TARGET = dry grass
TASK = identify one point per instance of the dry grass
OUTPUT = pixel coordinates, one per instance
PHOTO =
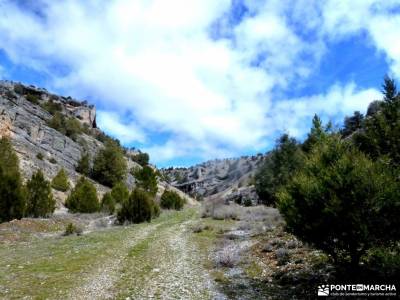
(228, 256)
(218, 210)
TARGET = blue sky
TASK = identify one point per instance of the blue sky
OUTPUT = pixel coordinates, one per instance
(189, 81)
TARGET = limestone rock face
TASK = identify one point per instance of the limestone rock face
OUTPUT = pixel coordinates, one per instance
(39, 146)
(225, 178)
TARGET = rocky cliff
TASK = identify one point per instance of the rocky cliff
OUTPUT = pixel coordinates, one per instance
(25, 112)
(230, 179)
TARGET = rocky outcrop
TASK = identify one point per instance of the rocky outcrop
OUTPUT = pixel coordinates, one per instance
(229, 179)
(40, 146)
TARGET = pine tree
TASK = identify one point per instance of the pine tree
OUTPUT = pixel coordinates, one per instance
(342, 202)
(83, 197)
(277, 169)
(317, 133)
(381, 132)
(389, 89)
(146, 179)
(120, 192)
(352, 124)
(60, 181)
(12, 196)
(138, 208)
(171, 200)
(40, 201)
(109, 166)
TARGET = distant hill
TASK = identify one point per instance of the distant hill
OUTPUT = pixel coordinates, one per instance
(227, 178)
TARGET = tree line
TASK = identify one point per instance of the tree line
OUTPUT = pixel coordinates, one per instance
(35, 198)
(339, 189)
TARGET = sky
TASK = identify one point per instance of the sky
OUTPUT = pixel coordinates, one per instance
(193, 80)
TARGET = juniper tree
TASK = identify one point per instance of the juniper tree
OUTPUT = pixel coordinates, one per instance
(40, 201)
(60, 181)
(12, 196)
(83, 197)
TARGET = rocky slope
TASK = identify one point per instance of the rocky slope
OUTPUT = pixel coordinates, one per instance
(24, 118)
(230, 179)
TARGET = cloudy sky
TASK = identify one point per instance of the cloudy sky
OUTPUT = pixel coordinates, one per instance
(191, 80)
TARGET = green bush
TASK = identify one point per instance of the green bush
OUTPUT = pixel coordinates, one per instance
(53, 160)
(277, 169)
(70, 127)
(109, 166)
(39, 156)
(40, 201)
(60, 181)
(72, 229)
(83, 197)
(247, 202)
(52, 107)
(342, 202)
(146, 179)
(108, 203)
(141, 158)
(171, 200)
(139, 207)
(73, 128)
(32, 98)
(12, 195)
(385, 261)
(120, 192)
(83, 166)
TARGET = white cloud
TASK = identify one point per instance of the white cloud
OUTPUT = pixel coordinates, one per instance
(126, 133)
(374, 17)
(339, 100)
(156, 62)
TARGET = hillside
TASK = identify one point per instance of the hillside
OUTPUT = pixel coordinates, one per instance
(229, 179)
(25, 115)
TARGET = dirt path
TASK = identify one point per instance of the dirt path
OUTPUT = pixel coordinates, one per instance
(100, 282)
(154, 261)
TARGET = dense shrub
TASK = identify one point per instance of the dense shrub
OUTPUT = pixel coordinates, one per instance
(278, 168)
(40, 201)
(12, 196)
(60, 181)
(109, 166)
(108, 203)
(83, 166)
(141, 158)
(39, 156)
(247, 202)
(72, 229)
(171, 200)
(146, 179)
(139, 207)
(120, 192)
(342, 202)
(32, 98)
(52, 107)
(83, 197)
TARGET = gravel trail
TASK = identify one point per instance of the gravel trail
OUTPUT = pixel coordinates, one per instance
(155, 261)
